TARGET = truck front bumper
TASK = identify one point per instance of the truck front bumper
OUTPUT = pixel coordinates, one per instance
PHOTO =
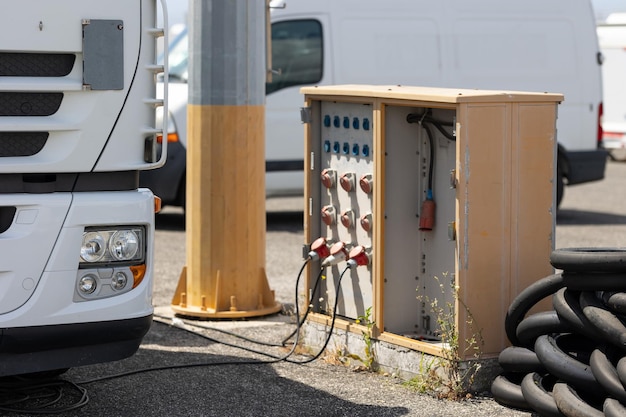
(41, 348)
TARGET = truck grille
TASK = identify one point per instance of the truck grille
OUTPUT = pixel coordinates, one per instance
(12, 64)
(21, 143)
(29, 104)
(35, 64)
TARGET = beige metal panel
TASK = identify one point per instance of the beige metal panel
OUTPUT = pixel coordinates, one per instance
(311, 184)
(432, 94)
(378, 210)
(533, 203)
(506, 172)
(483, 166)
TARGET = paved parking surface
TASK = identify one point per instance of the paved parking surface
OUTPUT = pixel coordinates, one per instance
(592, 215)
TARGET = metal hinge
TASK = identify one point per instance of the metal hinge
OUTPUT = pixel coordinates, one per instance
(305, 114)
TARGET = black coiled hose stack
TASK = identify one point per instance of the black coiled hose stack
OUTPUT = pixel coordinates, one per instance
(570, 361)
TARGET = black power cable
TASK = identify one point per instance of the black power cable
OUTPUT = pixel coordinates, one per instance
(274, 359)
(427, 117)
(167, 320)
(431, 165)
(299, 323)
(425, 120)
(421, 120)
(48, 396)
(309, 307)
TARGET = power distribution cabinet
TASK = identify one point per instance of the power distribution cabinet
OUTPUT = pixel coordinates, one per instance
(438, 194)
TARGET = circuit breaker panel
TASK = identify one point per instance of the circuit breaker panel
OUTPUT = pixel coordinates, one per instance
(437, 196)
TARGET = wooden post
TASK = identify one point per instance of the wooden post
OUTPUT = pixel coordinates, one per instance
(225, 226)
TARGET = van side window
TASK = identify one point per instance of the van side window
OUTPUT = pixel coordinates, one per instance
(296, 54)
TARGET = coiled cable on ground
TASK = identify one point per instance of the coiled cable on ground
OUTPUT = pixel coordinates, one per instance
(570, 361)
(40, 394)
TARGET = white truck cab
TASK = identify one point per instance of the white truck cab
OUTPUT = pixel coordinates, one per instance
(529, 45)
(77, 123)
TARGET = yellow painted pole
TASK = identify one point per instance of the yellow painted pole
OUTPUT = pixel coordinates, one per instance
(225, 227)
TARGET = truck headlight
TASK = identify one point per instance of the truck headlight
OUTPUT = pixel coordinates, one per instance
(124, 245)
(93, 247)
(112, 245)
(87, 284)
(119, 280)
(112, 261)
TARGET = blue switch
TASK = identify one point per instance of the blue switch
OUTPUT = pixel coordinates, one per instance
(366, 124)
(336, 121)
(327, 121)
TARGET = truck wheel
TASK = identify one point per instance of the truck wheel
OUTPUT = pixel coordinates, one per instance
(182, 193)
(43, 375)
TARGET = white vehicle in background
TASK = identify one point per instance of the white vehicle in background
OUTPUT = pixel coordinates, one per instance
(602, 8)
(530, 45)
(612, 39)
(77, 124)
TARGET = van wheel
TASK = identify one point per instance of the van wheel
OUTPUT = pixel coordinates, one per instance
(560, 184)
(618, 155)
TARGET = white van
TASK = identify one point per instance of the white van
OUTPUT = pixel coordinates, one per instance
(612, 38)
(530, 45)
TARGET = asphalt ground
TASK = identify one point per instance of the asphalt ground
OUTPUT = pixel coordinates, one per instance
(212, 375)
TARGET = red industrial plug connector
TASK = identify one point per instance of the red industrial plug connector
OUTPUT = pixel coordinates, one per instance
(427, 215)
(338, 253)
(319, 249)
(359, 255)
